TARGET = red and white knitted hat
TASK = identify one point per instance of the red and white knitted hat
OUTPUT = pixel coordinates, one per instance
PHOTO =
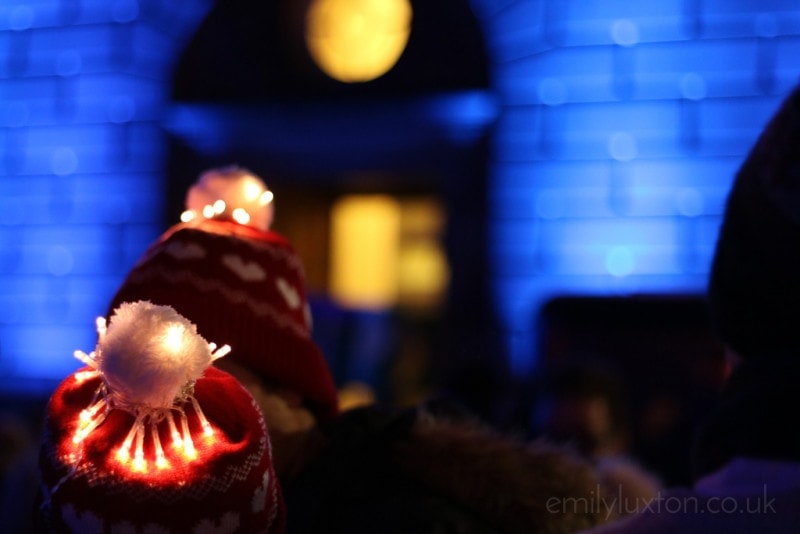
(240, 283)
(149, 437)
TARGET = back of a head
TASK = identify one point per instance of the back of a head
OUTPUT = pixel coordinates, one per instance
(754, 300)
(754, 289)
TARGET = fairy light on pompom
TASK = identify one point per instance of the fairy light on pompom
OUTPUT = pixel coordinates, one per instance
(177, 440)
(241, 216)
(124, 451)
(91, 417)
(188, 443)
(102, 328)
(230, 193)
(251, 191)
(218, 352)
(149, 358)
(161, 459)
(86, 425)
(208, 211)
(83, 376)
(139, 463)
(266, 198)
(173, 337)
(207, 430)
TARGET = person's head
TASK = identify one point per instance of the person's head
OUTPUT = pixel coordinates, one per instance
(754, 290)
(243, 285)
(149, 436)
(754, 301)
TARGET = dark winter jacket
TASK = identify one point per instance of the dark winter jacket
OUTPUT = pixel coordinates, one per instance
(412, 472)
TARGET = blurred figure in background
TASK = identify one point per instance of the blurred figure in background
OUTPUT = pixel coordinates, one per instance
(747, 457)
(587, 407)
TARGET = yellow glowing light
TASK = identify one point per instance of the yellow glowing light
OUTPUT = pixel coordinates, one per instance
(88, 415)
(188, 215)
(386, 252)
(208, 211)
(241, 216)
(252, 191)
(219, 207)
(138, 462)
(88, 420)
(220, 352)
(174, 337)
(123, 454)
(188, 449)
(177, 440)
(161, 461)
(422, 270)
(188, 445)
(126, 445)
(207, 430)
(266, 197)
(132, 453)
(82, 376)
(364, 250)
(357, 40)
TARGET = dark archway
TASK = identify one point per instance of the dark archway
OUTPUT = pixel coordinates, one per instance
(242, 93)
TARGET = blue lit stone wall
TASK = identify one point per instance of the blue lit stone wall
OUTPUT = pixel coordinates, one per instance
(82, 86)
(621, 126)
(623, 123)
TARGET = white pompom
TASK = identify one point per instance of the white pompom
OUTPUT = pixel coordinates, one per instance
(149, 355)
(231, 193)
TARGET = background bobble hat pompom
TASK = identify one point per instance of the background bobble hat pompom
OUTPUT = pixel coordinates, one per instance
(241, 284)
(230, 193)
(115, 458)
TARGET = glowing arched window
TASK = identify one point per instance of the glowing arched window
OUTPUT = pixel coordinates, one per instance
(357, 40)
